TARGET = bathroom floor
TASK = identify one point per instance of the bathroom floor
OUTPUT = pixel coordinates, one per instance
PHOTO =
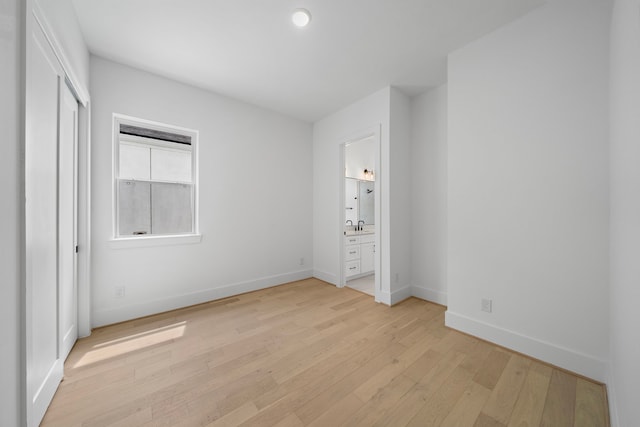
(364, 284)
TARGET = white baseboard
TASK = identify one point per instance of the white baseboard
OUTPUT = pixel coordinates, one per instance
(327, 277)
(134, 311)
(574, 361)
(429, 295)
(383, 298)
(400, 294)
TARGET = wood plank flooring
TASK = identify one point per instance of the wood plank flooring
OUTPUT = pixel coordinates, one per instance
(309, 354)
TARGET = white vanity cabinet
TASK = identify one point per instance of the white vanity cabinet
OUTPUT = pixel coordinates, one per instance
(351, 256)
(367, 251)
(352, 253)
(359, 255)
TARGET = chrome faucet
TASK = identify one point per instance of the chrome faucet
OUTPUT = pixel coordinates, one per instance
(349, 222)
(360, 228)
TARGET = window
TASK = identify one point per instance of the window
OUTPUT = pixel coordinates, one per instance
(155, 179)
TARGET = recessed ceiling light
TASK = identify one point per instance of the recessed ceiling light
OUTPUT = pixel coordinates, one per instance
(301, 17)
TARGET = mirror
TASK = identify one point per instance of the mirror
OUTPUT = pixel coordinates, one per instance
(359, 201)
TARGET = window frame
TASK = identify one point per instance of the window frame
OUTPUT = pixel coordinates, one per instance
(150, 239)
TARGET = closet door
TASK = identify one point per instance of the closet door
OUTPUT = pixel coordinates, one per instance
(67, 221)
(44, 364)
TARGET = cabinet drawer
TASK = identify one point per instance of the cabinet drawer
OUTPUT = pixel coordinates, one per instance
(352, 240)
(352, 267)
(351, 252)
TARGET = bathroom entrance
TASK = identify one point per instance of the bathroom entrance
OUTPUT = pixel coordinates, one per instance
(359, 259)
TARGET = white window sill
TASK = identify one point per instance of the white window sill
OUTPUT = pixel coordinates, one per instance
(151, 241)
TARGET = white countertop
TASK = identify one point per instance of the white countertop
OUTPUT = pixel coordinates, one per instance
(358, 233)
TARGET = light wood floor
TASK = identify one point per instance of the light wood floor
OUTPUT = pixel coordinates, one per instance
(307, 353)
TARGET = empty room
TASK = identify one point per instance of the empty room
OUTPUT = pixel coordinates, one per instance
(320, 213)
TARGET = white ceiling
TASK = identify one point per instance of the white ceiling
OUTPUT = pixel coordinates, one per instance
(250, 50)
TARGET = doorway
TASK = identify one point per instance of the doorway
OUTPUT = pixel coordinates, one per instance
(360, 214)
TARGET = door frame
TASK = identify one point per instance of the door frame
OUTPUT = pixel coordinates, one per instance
(64, 87)
(370, 132)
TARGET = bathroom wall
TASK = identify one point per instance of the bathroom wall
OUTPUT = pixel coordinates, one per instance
(358, 157)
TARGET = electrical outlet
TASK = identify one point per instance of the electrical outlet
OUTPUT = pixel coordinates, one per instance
(397, 277)
(119, 291)
(301, 261)
(486, 305)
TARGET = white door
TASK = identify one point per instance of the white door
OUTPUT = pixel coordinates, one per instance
(43, 356)
(67, 221)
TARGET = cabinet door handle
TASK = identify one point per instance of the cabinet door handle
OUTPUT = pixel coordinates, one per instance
(352, 252)
(352, 268)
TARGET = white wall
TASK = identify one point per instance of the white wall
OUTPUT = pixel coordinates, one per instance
(624, 394)
(429, 195)
(358, 157)
(11, 223)
(61, 17)
(255, 198)
(390, 111)
(328, 134)
(528, 185)
(400, 195)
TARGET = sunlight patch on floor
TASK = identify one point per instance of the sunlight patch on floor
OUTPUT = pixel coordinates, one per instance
(120, 346)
